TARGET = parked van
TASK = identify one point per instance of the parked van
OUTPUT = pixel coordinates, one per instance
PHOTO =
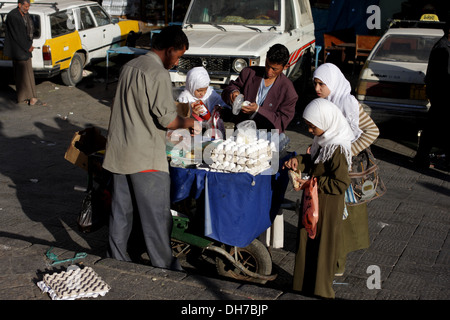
(68, 36)
(226, 36)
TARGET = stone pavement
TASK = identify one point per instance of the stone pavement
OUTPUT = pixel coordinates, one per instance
(39, 204)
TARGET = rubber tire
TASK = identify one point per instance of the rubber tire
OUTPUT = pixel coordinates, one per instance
(131, 39)
(255, 257)
(74, 74)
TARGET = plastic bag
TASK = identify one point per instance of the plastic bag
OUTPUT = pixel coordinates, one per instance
(215, 128)
(246, 131)
(310, 214)
(95, 210)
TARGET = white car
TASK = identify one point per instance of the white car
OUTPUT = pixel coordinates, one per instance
(69, 34)
(392, 79)
(225, 36)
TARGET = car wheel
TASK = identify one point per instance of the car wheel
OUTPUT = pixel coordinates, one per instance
(131, 39)
(74, 74)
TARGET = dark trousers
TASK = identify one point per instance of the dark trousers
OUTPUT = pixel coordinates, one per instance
(435, 132)
(149, 194)
(24, 79)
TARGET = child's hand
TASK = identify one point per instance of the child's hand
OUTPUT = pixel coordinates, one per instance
(250, 108)
(196, 108)
(292, 164)
(196, 129)
(299, 185)
(301, 182)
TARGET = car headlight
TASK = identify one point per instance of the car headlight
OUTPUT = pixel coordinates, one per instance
(239, 64)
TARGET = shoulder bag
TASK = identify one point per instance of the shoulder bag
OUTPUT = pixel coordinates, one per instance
(366, 184)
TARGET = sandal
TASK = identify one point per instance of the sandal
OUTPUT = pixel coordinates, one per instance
(37, 103)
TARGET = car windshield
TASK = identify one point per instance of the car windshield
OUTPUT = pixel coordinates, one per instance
(227, 12)
(405, 48)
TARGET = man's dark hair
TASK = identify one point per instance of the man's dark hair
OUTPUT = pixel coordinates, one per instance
(278, 54)
(171, 36)
(23, 1)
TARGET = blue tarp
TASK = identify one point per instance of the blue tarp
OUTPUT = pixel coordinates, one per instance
(238, 206)
(349, 14)
(342, 15)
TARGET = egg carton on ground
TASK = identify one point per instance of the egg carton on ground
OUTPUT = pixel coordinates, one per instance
(73, 284)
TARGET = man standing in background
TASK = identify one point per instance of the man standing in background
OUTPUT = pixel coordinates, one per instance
(19, 47)
(437, 79)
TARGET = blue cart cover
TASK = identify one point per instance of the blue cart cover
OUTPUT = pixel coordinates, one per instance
(238, 206)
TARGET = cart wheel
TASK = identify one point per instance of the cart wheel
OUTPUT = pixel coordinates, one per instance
(254, 257)
(179, 248)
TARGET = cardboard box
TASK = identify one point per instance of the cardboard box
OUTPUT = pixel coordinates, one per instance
(83, 144)
(74, 155)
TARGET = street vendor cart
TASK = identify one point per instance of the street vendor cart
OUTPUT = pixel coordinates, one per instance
(232, 209)
(235, 209)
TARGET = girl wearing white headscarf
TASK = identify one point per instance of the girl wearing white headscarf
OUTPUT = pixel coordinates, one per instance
(331, 84)
(337, 134)
(339, 93)
(315, 260)
(197, 88)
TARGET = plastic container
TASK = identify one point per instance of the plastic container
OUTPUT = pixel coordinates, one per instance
(204, 112)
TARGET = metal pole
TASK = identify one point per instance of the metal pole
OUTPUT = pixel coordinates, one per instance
(165, 13)
(173, 5)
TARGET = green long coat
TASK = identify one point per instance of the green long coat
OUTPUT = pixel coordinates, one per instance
(315, 260)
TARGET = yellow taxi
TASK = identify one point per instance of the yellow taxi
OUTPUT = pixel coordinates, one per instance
(69, 35)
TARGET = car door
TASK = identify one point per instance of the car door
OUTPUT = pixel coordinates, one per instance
(63, 41)
(293, 40)
(300, 28)
(91, 41)
(109, 31)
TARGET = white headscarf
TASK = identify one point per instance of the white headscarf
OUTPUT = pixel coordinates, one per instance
(340, 94)
(197, 78)
(327, 116)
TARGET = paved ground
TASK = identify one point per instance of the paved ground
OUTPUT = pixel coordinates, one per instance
(409, 226)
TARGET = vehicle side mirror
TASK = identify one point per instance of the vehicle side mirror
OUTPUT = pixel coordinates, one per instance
(114, 20)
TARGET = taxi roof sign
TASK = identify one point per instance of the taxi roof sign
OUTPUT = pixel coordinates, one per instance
(427, 24)
(429, 17)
